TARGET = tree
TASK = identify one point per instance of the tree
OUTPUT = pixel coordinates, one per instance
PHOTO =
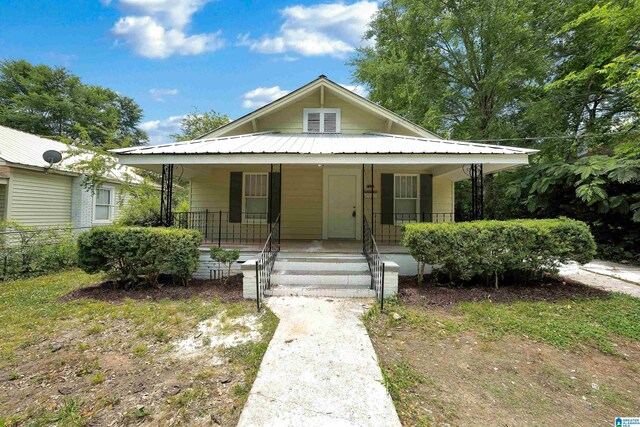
(52, 102)
(197, 124)
(463, 68)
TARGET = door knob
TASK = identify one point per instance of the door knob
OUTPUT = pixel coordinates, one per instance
(353, 214)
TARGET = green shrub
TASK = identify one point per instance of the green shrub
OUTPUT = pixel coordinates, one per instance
(27, 251)
(225, 256)
(131, 253)
(489, 249)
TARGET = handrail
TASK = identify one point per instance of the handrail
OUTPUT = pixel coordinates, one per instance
(221, 227)
(376, 265)
(266, 260)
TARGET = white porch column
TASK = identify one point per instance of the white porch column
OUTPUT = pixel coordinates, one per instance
(249, 279)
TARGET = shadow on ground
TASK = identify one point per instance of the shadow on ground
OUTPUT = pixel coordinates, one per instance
(547, 289)
(230, 291)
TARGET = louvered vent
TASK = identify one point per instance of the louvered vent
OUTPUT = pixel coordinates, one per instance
(313, 123)
(330, 120)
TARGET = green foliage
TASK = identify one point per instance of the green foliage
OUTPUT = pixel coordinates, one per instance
(601, 190)
(127, 254)
(32, 251)
(489, 249)
(53, 102)
(225, 256)
(197, 124)
(143, 207)
(463, 68)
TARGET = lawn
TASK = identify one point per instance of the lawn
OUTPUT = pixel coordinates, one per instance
(545, 355)
(73, 353)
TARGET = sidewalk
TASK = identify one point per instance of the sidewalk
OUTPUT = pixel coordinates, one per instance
(606, 275)
(320, 369)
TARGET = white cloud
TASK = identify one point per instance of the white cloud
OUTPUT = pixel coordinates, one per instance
(160, 131)
(360, 90)
(157, 28)
(159, 94)
(333, 29)
(262, 96)
(173, 13)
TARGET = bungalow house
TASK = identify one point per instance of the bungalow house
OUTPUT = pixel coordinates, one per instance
(333, 174)
(36, 193)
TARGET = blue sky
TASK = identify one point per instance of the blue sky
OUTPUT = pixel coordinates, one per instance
(174, 55)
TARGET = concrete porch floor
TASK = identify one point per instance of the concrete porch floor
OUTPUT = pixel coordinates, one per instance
(315, 246)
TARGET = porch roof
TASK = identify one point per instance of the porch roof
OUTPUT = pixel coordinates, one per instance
(322, 144)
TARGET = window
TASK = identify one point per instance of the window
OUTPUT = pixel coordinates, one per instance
(405, 198)
(103, 204)
(255, 201)
(321, 120)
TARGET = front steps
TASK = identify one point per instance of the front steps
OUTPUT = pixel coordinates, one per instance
(338, 275)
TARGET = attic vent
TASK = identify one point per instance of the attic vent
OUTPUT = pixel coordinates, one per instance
(321, 120)
(330, 122)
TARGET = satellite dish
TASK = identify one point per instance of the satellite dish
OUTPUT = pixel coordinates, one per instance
(52, 157)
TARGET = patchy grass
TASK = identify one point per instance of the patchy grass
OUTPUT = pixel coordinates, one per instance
(91, 361)
(564, 361)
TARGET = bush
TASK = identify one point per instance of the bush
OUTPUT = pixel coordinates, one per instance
(489, 249)
(27, 251)
(225, 256)
(129, 254)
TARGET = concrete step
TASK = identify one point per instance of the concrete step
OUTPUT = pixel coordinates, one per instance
(321, 274)
(293, 266)
(304, 278)
(342, 292)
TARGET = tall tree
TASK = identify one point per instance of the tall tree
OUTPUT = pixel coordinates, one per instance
(52, 102)
(464, 67)
(197, 124)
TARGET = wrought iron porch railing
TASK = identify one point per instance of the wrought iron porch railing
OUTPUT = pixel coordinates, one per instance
(217, 228)
(265, 261)
(387, 227)
(376, 265)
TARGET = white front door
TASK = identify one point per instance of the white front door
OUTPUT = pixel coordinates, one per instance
(341, 209)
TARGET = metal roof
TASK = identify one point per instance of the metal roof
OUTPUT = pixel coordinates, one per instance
(25, 149)
(309, 143)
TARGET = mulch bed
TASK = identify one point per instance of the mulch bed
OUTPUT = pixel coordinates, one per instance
(196, 288)
(547, 289)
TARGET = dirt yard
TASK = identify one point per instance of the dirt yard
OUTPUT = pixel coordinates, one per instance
(548, 354)
(74, 353)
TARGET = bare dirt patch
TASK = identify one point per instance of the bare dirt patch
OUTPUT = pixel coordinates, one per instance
(226, 291)
(543, 354)
(547, 289)
(75, 353)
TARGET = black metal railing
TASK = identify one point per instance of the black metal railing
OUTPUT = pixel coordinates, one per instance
(217, 228)
(387, 227)
(376, 265)
(265, 261)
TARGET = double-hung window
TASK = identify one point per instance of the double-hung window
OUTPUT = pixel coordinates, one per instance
(103, 204)
(255, 200)
(405, 198)
(321, 120)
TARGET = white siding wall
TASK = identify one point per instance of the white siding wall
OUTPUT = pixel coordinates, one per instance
(3, 201)
(39, 199)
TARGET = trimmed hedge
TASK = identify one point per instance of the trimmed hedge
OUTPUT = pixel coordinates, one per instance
(131, 253)
(489, 249)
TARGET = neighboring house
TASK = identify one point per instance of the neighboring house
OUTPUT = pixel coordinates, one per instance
(334, 166)
(35, 193)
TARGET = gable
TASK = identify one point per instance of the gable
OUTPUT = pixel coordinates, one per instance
(358, 115)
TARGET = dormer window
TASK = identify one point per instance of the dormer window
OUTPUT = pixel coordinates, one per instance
(321, 120)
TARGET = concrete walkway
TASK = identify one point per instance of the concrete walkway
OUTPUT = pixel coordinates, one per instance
(605, 275)
(320, 369)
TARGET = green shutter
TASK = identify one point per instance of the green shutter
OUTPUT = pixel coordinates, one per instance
(386, 198)
(274, 199)
(235, 197)
(426, 197)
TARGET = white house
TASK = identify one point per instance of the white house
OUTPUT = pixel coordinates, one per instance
(35, 193)
(332, 170)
